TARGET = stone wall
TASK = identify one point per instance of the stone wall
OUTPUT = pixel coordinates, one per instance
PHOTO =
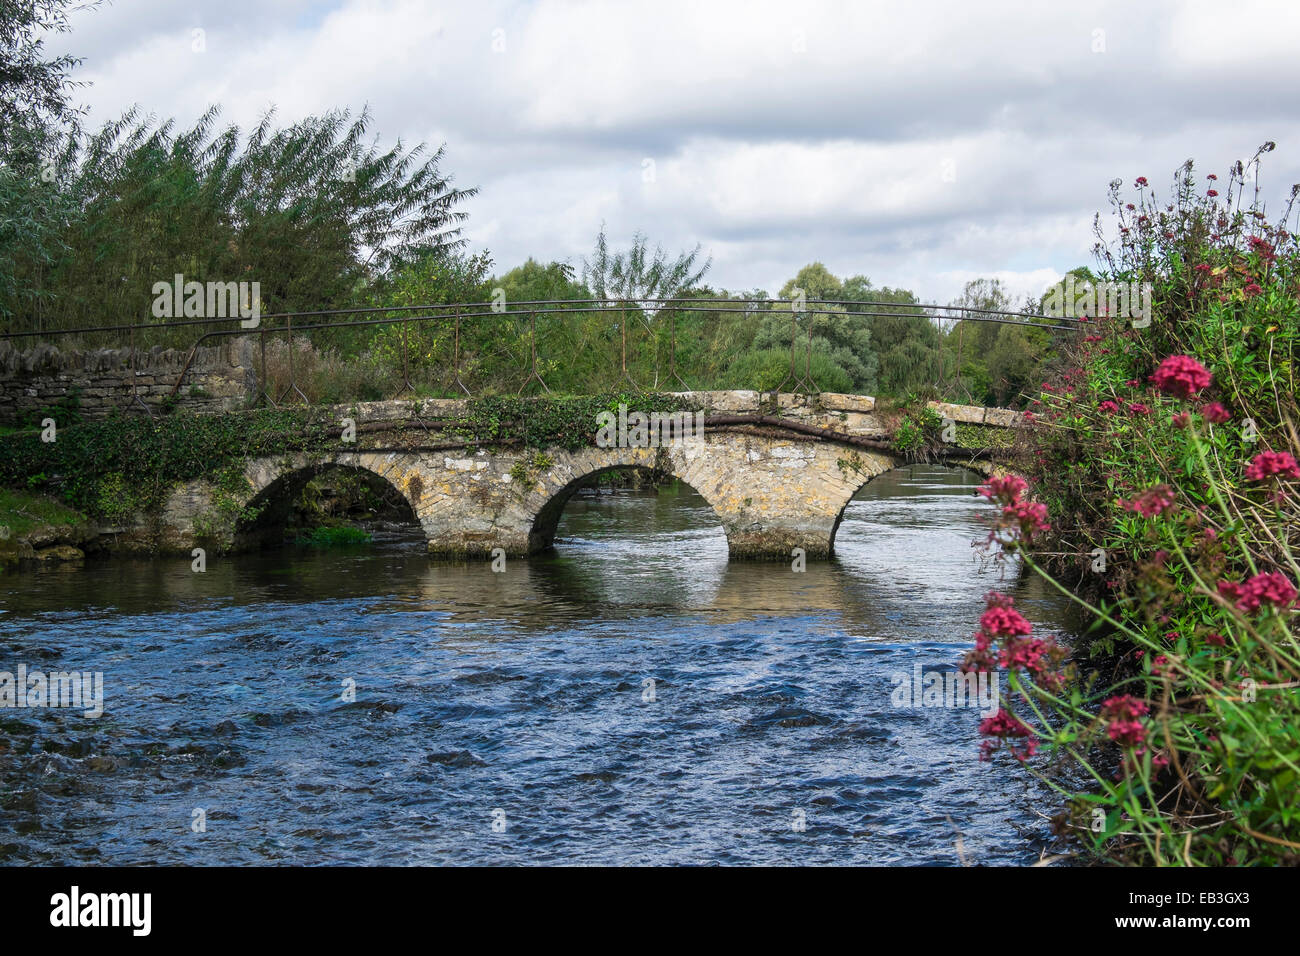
(221, 378)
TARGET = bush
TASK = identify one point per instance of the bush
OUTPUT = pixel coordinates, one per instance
(767, 369)
(1165, 457)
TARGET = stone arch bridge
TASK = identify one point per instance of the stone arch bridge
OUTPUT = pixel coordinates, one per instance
(778, 471)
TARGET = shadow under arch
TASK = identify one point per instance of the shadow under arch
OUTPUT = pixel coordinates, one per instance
(272, 504)
(958, 466)
(541, 536)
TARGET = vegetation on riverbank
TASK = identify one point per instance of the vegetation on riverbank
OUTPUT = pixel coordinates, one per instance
(21, 512)
(1165, 461)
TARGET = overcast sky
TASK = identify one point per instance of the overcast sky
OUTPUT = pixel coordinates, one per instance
(919, 143)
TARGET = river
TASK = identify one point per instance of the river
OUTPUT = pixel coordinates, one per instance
(632, 698)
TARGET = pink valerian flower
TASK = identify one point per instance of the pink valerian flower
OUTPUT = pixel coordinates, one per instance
(1108, 407)
(1267, 464)
(1126, 733)
(1002, 620)
(1263, 248)
(1251, 290)
(1263, 589)
(1122, 714)
(1040, 658)
(1140, 181)
(1006, 489)
(983, 659)
(1215, 413)
(1150, 503)
(1123, 707)
(1007, 727)
(1211, 193)
(1132, 382)
(1137, 408)
(1215, 639)
(1180, 419)
(1028, 517)
(1019, 517)
(1181, 376)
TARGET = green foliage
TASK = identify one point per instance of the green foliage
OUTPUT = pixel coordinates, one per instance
(116, 500)
(637, 273)
(101, 467)
(765, 369)
(551, 422)
(311, 212)
(230, 505)
(21, 512)
(918, 430)
(990, 363)
(36, 86)
(340, 536)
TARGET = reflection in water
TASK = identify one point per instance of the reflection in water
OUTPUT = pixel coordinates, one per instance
(524, 691)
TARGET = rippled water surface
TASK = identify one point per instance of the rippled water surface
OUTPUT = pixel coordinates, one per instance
(523, 692)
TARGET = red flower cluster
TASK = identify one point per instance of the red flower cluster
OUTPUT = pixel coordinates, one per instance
(1122, 713)
(1004, 726)
(1001, 619)
(1269, 463)
(1181, 376)
(1001, 622)
(1025, 518)
(1137, 408)
(1036, 656)
(1109, 407)
(1215, 413)
(1263, 248)
(1030, 517)
(1149, 503)
(1273, 589)
(1005, 488)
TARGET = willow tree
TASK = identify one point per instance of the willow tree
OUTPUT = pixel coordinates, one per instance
(632, 279)
(313, 212)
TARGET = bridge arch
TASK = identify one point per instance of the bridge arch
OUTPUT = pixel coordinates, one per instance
(979, 468)
(565, 480)
(274, 485)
